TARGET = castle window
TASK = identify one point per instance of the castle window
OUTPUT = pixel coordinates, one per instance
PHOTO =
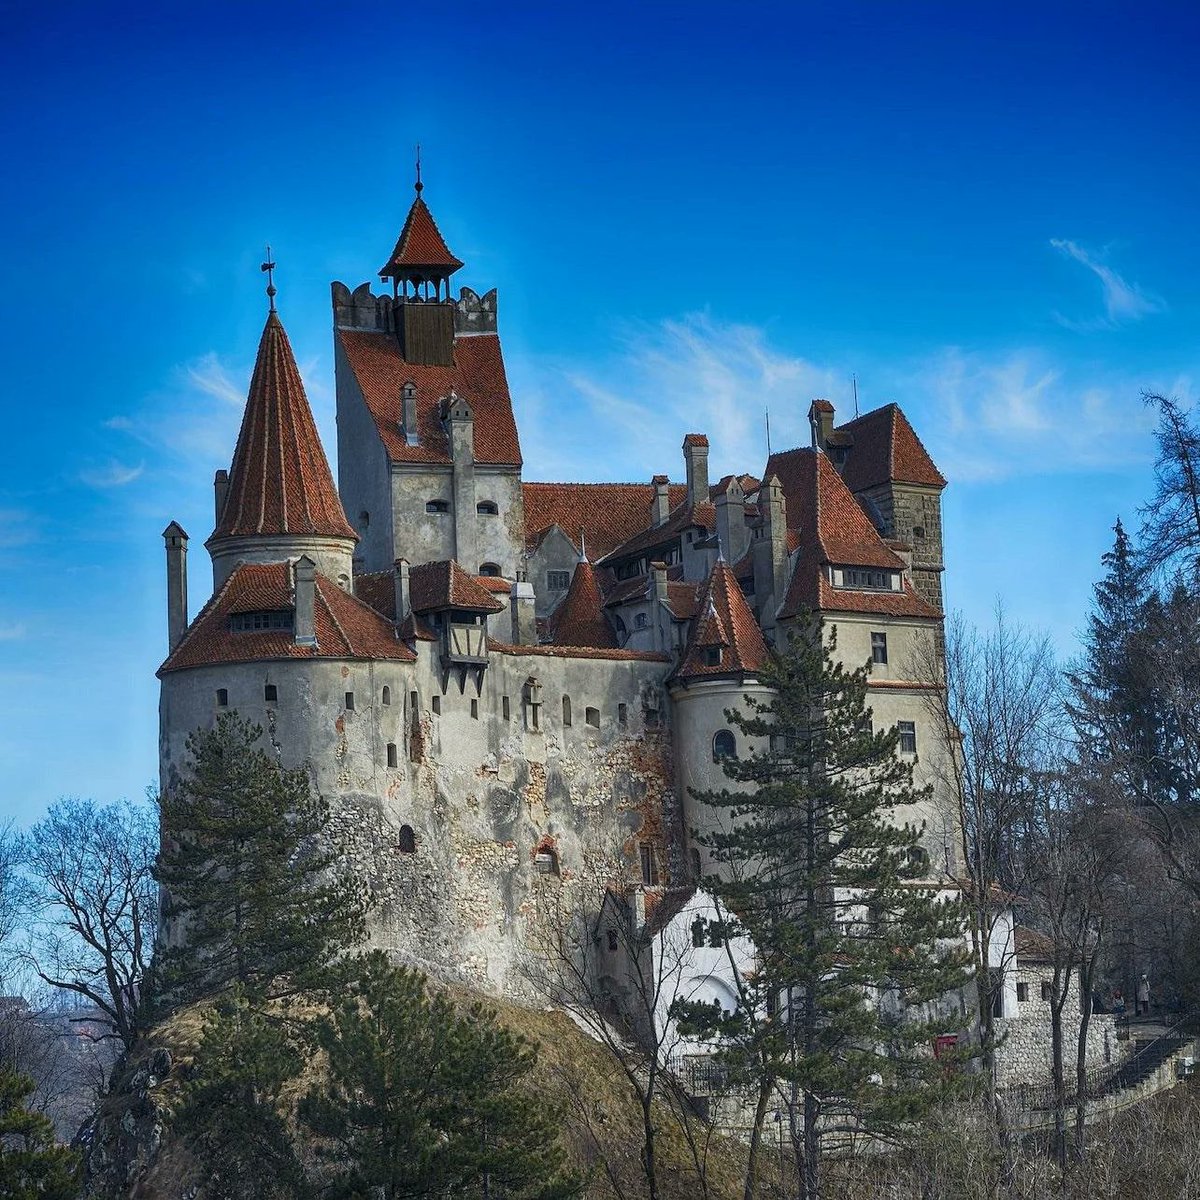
(391, 754)
(724, 745)
(406, 843)
(558, 581)
(270, 693)
(545, 861)
(908, 736)
(1022, 992)
(505, 708)
(622, 715)
(490, 570)
(222, 697)
(879, 647)
(869, 579)
(698, 934)
(256, 622)
(487, 508)
(918, 531)
(436, 702)
(412, 704)
(475, 710)
(649, 865)
(918, 860)
(1047, 990)
(592, 717)
(386, 696)
(349, 701)
(437, 506)
(364, 518)
(566, 711)
(712, 656)
(612, 941)
(641, 621)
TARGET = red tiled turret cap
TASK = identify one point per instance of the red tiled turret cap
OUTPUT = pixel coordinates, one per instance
(579, 620)
(420, 249)
(723, 623)
(280, 481)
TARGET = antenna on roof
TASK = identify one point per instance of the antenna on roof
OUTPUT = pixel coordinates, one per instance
(269, 267)
(419, 185)
(854, 384)
(768, 413)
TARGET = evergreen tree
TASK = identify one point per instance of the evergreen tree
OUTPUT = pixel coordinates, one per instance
(252, 893)
(32, 1167)
(230, 1111)
(422, 1100)
(854, 959)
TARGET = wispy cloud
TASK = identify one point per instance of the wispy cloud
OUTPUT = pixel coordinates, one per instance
(112, 474)
(983, 416)
(1123, 301)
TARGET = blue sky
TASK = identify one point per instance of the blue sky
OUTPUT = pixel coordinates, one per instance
(692, 212)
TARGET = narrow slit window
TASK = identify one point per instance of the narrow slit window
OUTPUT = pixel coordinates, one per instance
(505, 708)
(222, 697)
(386, 697)
(475, 710)
(566, 711)
(349, 701)
(622, 715)
(270, 693)
(436, 703)
(612, 940)
(391, 755)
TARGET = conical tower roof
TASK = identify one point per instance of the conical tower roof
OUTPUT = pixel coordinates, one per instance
(420, 249)
(280, 482)
(579, 620)
(725, 638)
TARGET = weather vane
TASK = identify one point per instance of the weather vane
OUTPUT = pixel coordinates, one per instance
(269, 267)
(419, 185)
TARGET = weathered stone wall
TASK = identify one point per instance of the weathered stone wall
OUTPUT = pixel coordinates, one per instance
(500, 539)
(904, 510)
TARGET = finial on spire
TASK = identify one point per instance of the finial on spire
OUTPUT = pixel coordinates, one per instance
(419, 185)
(582, 544)
(269, 267)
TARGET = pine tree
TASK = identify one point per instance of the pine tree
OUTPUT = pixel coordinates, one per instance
(230, 1114)
(252, 892)
(422, 1100)
(854, 959)
(32, 1167)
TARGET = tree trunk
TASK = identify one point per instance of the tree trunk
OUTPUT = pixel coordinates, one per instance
(1057, 1073)
(1087, 972)
(765, 1085)
(649, 1163)
(812, 1149)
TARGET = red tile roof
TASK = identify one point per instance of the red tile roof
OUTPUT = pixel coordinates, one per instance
(345, 626)
(420, 245)
(579, 620)
(1031, 945)
(280, 481)
(683, 516)
(444, 584)
(821, 406)
(495, 584)
(608, 513)
(695, 439)
(886, 447)
(477, 376)
(724, 621)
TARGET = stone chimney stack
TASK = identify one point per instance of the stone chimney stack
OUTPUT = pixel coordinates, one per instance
(461, 425)
(770, 552)
(220, 490)
(662, 500)
(408, 413)
(176, 541)
(524, 616)
(820, 421)
(695, 457)
(403, 595)
(661, 592)
(732, 534)
(304, 629)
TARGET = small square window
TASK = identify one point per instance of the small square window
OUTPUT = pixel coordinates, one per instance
(879, 647)
(918, 531)
(908, 736)
(222, 697)
(349, 701)
(712, 656)
(1022, 992)
(270, 693)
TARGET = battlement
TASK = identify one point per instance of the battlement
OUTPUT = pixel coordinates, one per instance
(362, 309)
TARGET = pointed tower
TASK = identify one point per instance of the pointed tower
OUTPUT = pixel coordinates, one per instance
(279, 501)
(579, 620)
(422, 261)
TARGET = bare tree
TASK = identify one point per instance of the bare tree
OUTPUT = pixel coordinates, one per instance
(92, 904)
(1171, 521)
(10, 880)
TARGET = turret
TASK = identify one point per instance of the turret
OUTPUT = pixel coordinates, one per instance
(176, 541)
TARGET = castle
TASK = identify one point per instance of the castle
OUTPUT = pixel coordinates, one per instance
(506, 689)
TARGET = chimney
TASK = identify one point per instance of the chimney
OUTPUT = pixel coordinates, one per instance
(660, 617)
(820, 421)
(403, 596)
(305, 625)
(695, 457)
(770, 552)
(661, 594)
(524, 616)
(461, 428)
(220, 490)
(732, 534)
(176, 545)
(408, 413)
(662, 500)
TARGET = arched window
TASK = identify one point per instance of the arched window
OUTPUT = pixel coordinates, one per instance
(491, 570)
(387, 694)
(724, 745)
(566, 710)
(437, 506)
(407, 842)
(487, 508)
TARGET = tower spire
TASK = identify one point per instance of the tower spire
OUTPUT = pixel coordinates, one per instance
(269, 267)
(419, 186)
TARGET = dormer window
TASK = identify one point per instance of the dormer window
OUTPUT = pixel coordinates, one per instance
(264, 619)
(712, 656)
(437, 506)
(870, 579)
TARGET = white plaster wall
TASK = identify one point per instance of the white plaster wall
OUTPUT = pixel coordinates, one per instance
(420, 536)
(500, 539)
